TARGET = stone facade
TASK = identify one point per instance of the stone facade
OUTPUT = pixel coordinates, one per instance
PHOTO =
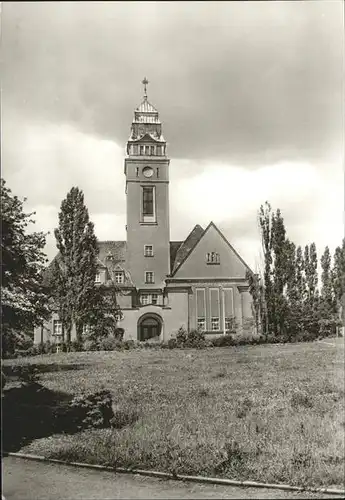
(199, 282)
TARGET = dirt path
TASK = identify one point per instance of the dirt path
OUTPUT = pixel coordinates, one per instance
(29, 480)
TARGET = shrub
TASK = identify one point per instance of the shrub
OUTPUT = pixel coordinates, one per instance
(128, 344)
(76, 346)
(123, 417)
(196, 339)
(301, 399)
(119, 333)
(92, 411)
(90, 345)
(223, 341)
(109, 344)
(172, 343)
(182, 339)
(181, 336)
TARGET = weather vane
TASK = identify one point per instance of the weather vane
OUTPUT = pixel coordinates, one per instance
(145, 82)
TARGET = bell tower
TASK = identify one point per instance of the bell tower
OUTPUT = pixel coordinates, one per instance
(147, 190)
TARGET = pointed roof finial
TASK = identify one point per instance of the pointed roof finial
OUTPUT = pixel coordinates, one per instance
(145, 82)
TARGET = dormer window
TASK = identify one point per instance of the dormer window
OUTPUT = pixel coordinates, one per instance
(97, 278)
(119, 277)
(212, 258)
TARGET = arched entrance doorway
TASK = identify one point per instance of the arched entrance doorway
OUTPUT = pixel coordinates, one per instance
(149, 326)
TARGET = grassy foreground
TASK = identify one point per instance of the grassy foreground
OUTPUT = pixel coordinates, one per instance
(268, 413)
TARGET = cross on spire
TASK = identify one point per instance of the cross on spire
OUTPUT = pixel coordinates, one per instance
(145, 82)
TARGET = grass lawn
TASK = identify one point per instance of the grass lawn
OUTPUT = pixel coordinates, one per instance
(268, 413)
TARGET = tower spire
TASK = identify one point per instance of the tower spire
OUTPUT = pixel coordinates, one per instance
(145, 82)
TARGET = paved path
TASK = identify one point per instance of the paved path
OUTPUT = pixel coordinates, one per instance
(29, 480)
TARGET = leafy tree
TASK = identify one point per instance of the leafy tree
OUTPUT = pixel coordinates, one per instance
(24, 303)
(77, 263)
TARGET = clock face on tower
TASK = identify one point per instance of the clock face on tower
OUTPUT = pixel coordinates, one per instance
(147, 171)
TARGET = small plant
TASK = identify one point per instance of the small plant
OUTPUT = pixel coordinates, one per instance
(301, 399)
(203, 392)
(244, 407)
(123, 418)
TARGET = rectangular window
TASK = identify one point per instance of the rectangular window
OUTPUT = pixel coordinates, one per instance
(214, 324)
(229, 324)
(57, 327)
(154, 299)
(152, 150)
(149, 277)
(119, 277)
(148, 250)
(145, 299)
(159, 150)
(147, 150)
(212, 258)
(148, 204)
(97, 278)
(141, 150)
(200, 306)
(135, 149)
(201, 324)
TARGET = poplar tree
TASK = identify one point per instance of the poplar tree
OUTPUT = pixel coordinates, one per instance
(77, 263)
(265, 225)
(338, 280)
(311, 302)
(327, 292)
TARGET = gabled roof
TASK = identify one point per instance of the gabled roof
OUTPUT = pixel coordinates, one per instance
(191, 242)
(187, 246)
(146, 107)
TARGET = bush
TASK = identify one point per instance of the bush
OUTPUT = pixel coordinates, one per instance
(76, 346)
(172, 343)
(90, 345)
(223, 341)
(181, 336)
(119, 333)
(128, 344)
(109, 344)
(123, 417)
(92, 411)
(193, 339)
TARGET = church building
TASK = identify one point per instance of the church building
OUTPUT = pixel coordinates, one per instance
(196, 283)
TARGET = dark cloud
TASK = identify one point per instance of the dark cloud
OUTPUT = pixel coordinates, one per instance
(249, 82)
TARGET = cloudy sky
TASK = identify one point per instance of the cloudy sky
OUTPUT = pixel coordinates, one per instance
(250, 95)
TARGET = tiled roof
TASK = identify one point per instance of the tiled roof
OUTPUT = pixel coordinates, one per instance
(186, 247)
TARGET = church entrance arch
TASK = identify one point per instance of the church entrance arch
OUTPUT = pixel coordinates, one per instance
(149, 326)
